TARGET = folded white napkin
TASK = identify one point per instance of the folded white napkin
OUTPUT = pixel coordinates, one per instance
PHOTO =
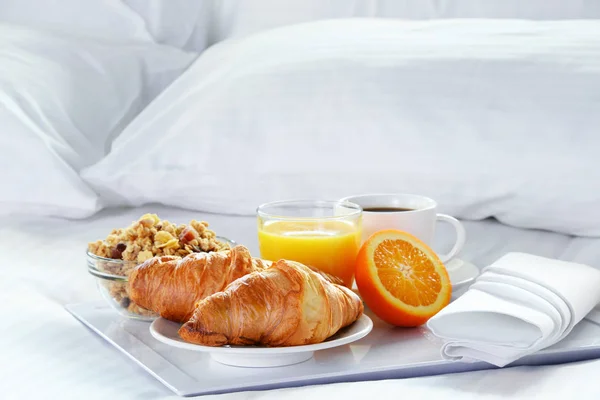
(520, 304)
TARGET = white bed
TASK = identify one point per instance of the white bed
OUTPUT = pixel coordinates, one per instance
(219, 105)
(49, 354)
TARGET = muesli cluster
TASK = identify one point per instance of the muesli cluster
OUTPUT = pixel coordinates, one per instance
(146, 238)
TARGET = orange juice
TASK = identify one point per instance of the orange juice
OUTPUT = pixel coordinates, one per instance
(330, 246)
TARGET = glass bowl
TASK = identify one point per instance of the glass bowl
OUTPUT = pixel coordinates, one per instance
(112, 282)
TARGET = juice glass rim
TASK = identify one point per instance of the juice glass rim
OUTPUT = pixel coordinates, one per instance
(357, 209)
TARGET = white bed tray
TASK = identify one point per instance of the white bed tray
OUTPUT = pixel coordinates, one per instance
(386, 353)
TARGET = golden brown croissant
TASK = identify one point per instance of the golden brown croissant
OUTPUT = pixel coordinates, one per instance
(285, 305)
(171, 286)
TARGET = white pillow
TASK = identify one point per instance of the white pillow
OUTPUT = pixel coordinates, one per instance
(238, 18)
(99, 18)
(491, 118)
(195, 25)
(34, 179)
(62, 101)
(181, 23)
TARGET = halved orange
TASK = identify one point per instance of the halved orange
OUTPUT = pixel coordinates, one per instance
(401, 279)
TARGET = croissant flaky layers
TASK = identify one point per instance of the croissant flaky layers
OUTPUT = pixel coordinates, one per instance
(287, 304)
(171, 286)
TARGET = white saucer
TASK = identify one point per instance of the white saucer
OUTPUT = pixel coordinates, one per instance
(254, 356)
(462, 274)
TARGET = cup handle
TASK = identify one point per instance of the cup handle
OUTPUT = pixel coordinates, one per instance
(461, 235)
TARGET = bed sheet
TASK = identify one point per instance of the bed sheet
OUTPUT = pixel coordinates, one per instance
(46, 353)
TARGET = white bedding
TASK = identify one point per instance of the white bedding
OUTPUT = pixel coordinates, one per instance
(47, 354)
(193, 25)
(63, 98)
(488, 117)
(238, 18)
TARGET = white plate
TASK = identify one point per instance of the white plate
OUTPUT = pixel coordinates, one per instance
(255, 356)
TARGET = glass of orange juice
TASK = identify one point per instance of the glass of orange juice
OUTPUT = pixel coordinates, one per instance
(322, 234)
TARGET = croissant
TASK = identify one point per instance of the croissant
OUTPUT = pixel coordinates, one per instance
(171, 286)
(287, 304)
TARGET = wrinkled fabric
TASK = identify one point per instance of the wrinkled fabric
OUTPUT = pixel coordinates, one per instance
(490, 118)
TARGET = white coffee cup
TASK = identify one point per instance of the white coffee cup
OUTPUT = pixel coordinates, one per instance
(420, 219)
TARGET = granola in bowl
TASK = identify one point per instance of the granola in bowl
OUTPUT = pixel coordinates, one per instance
(112, 259)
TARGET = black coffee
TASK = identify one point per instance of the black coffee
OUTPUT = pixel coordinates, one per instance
(387, 209)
